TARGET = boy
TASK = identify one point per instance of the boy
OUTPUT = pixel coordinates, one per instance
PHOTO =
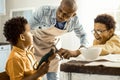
(21, 62)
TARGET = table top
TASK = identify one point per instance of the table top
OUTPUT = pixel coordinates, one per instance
(102, 66)
(4, 43)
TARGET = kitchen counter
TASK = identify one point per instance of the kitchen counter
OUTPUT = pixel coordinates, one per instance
(4, 43)
(100, 69)
(94, 67)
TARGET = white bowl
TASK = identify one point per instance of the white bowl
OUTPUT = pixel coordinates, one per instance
(90, 53)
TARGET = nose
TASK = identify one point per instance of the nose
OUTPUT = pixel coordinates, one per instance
(61, 15)
(96, 35)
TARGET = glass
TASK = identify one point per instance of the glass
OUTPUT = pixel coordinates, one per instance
(98, 31)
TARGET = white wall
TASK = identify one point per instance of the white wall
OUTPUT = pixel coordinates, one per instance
(87, 10)
(0, 29)
(20, 4)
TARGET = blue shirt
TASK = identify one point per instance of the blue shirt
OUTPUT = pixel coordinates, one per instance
(60, 25)
(46, 16)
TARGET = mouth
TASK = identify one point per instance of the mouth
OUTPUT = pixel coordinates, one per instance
(60, 19)
(98, 38)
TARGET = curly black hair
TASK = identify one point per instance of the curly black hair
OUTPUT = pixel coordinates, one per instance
(13, 28)
(106, 19)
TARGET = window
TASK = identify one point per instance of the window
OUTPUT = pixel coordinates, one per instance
(27, 12)
(2, 7)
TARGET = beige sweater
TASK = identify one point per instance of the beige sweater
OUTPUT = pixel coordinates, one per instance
(111, 46)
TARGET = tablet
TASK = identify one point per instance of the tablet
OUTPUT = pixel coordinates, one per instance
(45, 57)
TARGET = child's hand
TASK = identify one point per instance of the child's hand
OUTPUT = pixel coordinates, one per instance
(43, 69)
(52, 57)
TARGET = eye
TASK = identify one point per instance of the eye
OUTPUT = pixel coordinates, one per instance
(96, 31)
(60, 10)
(99, 32)
(66, 15)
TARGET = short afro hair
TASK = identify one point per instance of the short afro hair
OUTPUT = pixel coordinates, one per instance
(13, 28)
(106, 19)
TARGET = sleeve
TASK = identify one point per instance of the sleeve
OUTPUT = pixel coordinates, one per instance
(15, 69)
(36, 18)
(111, 46)
(80, 32)
(41, 17)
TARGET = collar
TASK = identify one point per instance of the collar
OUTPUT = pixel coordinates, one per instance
(19, 51)
(53, 16)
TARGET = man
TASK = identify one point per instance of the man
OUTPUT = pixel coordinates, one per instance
(105, 37)
(63, 18)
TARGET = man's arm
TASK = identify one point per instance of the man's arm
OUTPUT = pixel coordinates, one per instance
(64, 53)
(80, 32)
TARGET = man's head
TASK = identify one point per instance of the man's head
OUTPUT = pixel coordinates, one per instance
(66, 10)
(104, 27)
(17, 29)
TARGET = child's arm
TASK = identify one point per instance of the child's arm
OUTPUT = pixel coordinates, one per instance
(43, 69)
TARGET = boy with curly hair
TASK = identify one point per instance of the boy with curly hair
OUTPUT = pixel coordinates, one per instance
(21, 60)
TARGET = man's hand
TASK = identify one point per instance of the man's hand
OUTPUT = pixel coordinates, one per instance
(67, 53)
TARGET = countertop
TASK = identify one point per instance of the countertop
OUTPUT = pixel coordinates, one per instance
(102, 66)
(80, 67)
(4, 43)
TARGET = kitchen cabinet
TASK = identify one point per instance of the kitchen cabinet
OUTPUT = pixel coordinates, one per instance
(5, 49)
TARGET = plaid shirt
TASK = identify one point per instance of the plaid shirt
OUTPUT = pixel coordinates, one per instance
(46, 16)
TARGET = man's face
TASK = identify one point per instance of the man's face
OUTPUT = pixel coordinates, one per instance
(64, 13)
(101, 33)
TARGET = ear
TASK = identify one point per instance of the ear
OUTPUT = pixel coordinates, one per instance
(22, 37)
(111, 31)
(74, 14)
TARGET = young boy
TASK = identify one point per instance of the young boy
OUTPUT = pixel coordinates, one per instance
(21, 62)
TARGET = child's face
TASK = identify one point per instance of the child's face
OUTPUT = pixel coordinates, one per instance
(28, 36)
(103, 34)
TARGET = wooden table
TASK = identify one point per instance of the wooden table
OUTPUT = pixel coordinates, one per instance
(86, 67)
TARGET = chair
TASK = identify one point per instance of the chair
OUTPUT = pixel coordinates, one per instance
(4, 76)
